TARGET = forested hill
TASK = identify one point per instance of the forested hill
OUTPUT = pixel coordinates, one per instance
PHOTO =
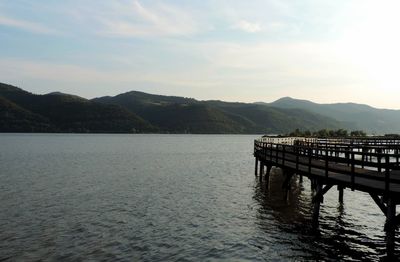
(21, 111)
(187, 115)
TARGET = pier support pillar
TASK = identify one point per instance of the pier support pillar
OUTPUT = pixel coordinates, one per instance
(313, 185)
(390, 226)
(340, 189)
(269, 167)
(287, 182)
(256, 169)
(317, 204)
(261, 170)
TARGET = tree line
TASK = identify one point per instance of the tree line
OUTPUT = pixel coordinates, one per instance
(325, 133)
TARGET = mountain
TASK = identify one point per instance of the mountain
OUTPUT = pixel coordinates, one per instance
(179, 115)
(64, 113)
(175, 114)
(21, 111)
(277, 120)
(355, 116)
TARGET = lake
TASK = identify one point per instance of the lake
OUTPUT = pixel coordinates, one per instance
(165, 198)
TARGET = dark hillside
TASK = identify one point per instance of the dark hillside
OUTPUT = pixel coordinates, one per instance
(216, 116)
(70, 113)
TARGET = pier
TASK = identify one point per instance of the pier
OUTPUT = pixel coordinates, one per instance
(368, 164)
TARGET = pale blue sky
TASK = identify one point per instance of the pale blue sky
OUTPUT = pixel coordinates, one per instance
(259, 50)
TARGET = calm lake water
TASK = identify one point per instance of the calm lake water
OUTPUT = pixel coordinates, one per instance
(163, 198)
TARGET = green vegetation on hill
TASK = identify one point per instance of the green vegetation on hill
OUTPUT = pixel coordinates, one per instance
(13, 118)
(191, 118)
(181, 115)
(21, 111)
(266, 119)
(64, 113)
(326, 133)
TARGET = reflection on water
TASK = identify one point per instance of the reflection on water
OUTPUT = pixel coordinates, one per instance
(287, 208)
(344, 233)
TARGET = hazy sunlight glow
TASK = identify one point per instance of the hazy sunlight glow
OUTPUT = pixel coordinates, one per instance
(372, 42)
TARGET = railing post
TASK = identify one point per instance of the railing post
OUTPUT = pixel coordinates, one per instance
(309, 159)
(352, 170)
(270, 151)
(297, 159)
(378, 155)
(362, 157)
(336, 154)
(387, 174)
(326, 161)
(283, 155)
(265, 150)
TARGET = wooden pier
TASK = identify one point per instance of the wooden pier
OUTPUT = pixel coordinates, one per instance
(365, 164)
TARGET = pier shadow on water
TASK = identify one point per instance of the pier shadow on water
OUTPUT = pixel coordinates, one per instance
(342, 233)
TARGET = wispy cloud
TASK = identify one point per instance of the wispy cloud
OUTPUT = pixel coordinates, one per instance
(25, 25)
(247, 26)
(143, 21)
(72, 73)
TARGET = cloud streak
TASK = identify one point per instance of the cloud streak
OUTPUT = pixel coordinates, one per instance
(25, 25)
(142, 21)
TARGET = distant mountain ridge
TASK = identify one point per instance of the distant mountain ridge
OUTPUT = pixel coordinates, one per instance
(356, 116)
(187, 115)
(134, 111)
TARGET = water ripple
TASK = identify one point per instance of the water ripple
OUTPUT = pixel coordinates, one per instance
(167, 198)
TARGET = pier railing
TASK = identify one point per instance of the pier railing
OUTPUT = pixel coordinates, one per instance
(372, 159)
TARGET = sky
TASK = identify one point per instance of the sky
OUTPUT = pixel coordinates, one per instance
(233, 50)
